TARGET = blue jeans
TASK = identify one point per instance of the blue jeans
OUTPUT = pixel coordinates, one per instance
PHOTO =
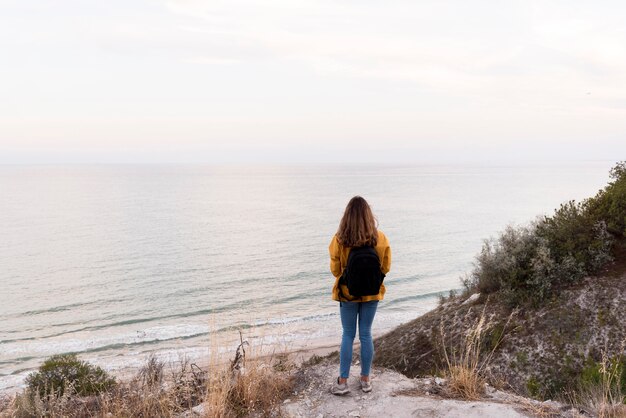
(350, 312)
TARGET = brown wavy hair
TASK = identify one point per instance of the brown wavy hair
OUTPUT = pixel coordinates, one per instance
(358, 226)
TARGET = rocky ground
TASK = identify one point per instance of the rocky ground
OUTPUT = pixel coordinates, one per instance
(395, 395)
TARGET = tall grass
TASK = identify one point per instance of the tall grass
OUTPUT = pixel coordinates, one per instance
(468, 360)
(604, 395)
(226, 389)
(246, 386)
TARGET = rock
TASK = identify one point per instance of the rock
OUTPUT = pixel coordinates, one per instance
(471, 299)
(355, 414)
(552, 404)
(199, 410)
(196, 411)
(439, 381)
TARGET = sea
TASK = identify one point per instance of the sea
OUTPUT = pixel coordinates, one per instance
(119, 262)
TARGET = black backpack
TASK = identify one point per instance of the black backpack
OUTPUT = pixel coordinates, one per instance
(362, 274)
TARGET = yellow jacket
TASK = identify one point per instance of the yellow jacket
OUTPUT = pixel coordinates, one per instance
(339, 259)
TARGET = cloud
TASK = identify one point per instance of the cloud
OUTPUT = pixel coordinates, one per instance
(296, 73)
(444, 45)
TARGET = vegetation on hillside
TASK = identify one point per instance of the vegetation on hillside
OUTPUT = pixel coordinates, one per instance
(547, 352)
(527, 264)
(227, 389)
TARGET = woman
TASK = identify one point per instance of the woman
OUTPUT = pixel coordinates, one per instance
(358, 228)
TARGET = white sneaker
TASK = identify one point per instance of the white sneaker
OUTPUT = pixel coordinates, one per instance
(366, 386)
(340, 388)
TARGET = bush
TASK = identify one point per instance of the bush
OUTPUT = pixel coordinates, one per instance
(609, 205)
(505, 263)
(526, 264)
(64, 371)
(575, 239)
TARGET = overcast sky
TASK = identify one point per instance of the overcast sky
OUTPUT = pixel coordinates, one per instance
(311, 81)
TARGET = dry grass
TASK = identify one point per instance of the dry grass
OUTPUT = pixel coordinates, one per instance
(258, 390)
(466, 363)
(540, 410)
(228, 389)
(150, 393)
(604, 398)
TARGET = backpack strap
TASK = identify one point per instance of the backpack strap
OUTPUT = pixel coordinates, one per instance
(342, 280)
(341, 294)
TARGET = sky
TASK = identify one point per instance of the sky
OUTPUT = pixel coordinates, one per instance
(320, 81)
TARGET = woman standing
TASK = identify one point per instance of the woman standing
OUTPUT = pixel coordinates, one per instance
(357, 229)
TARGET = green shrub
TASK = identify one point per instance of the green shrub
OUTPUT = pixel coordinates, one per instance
(64, 371)
(577, 241)
(506, 263)
(526, 264)
(533, 388)
(609, 205)
(613, 370)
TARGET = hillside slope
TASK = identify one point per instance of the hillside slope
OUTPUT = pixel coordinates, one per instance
(539, 351)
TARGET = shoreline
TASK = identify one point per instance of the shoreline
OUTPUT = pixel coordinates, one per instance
(304, 339)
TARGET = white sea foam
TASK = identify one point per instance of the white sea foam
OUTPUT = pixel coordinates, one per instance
(88, 341)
